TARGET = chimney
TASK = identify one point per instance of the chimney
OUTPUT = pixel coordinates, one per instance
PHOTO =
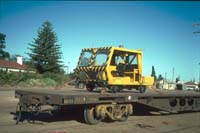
(19, 60)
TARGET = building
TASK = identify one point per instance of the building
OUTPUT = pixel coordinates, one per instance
(164, 84)
(191, 86)
(11, 66)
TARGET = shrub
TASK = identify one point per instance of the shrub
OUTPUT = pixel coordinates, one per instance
(32, 79)
(13, 78)
(49, 82)
(59, 78)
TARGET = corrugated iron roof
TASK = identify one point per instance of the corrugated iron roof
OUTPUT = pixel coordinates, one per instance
(11, 64)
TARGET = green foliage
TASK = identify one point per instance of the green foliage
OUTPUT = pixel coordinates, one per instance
(59, 78)
(153, 73)
(160, 77)
(32, 79)
(13, 78)
(41, 82)
(45, 52)
(73, 75)
(3, 54)
(49, 82)
(177, 79)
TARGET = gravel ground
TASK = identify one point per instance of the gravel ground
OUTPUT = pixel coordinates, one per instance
(72, 122)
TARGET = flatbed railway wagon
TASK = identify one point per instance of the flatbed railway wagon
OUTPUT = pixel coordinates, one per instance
(98, 106)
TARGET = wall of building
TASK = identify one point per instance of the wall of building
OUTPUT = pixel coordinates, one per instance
(11, 70)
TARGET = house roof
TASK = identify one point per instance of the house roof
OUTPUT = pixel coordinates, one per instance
(166, 81)
(190, 83)
(11, 64)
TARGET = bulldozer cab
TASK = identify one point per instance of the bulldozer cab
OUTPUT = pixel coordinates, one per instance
(125, 66)
(115, 62)
(124, 63)
(93, 57)
(85, 58)
(111, 66)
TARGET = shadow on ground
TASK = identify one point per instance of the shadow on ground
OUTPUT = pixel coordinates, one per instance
(66, 114)
(76, 113)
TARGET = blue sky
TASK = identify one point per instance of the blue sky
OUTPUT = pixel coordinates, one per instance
(162, 29)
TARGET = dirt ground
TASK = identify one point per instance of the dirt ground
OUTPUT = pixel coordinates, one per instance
(71, 122)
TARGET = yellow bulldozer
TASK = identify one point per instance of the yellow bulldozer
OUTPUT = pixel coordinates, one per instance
(115, 68)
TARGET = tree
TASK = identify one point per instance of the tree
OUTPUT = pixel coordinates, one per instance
(177, 79)
(160, 77)
(45, 52)
(153, 73)
(3, 54)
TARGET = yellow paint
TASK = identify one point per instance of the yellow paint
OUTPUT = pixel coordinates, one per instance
(110, 73)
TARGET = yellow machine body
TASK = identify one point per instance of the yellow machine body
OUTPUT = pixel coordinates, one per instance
(112, 67)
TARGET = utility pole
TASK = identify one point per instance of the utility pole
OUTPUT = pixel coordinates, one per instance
(197, 32)
(199, 72)
(173, 74)
(165, 76)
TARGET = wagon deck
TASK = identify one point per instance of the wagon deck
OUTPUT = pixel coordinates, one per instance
(109, 104)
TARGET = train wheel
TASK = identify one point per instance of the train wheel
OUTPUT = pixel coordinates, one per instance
(90, 87)
(124, 118)
(90, 116)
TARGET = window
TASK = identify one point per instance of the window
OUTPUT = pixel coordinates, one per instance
(85, 58)
(132, 60)
(101, 57)
(117, 58)
(124, 57)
